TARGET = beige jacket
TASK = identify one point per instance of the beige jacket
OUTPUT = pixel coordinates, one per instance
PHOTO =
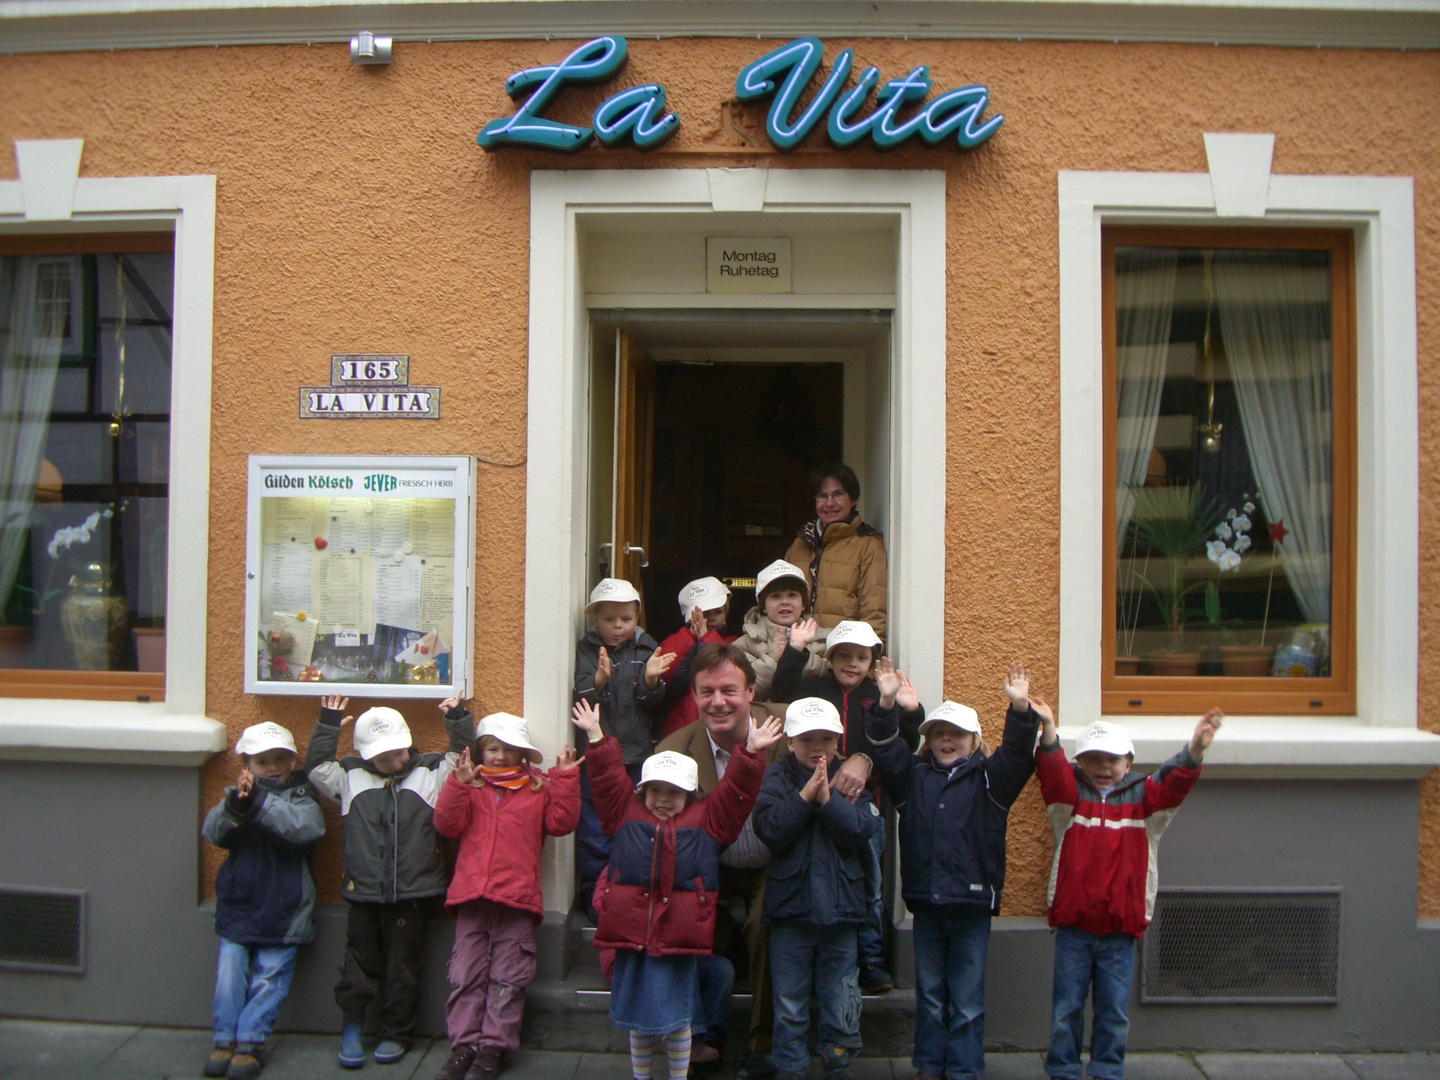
(848, 574)
(756, 640)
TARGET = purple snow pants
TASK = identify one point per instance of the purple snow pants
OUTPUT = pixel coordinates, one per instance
(493, 962)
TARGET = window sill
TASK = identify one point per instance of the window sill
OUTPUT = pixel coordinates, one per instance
(114, 732)
(1286, 747)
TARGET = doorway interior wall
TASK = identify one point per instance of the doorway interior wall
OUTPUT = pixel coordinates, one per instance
(621, 243)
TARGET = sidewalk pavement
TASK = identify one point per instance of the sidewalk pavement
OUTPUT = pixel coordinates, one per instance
(40, 1050)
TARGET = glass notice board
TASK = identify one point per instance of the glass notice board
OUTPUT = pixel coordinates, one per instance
(359, 573)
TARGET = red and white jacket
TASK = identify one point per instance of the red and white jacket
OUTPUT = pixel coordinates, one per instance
(1104, 875)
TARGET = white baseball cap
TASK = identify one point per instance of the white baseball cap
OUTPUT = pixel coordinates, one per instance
(670, 768)
(851, 632)
(812, 714)
(258, 738)
(952, 712)
(781, 570)
(512, 731)
(612, 591)
(1106, 739)
(706, 593)
(380, 730)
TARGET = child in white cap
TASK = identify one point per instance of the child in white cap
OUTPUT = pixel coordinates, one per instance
(782, 596)
(501, 808)
(815, 897)
(852, 651)
(658, 897)
(954, 801)
(264, 895)
(391, 861)
(1104, 877)
(704, 606)
(619, 671)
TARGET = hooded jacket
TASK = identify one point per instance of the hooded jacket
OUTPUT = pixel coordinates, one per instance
(953, 821)
(390, 848)
(1105, 875)
(659, 892)
(848, 571)
(265, 891)
(815, 874)
(757, 641)
(791, 684)
(628, 708)
(501, 833)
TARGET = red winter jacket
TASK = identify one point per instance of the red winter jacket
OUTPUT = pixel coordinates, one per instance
(680, 707)
(1104, 875)
(501, 833)
(659, 890)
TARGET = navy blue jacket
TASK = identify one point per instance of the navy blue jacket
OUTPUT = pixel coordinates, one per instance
(791, 683)
(265, 894)
(952, 821)
(815, 874)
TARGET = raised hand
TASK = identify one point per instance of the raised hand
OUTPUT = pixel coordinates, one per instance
(602, 670)
(568, 760)
(908, 697)
(587, 718)
(658, 664)
(1205, 733)
(779, 638)
(1017, 685)
(697, 622)
(1048, 734)
(335, 702)
(245, 784)
(887, 680)
(763, 736)
(851, 776)
(465, 768)
(817, 789)
(803, 632)
(448, 704)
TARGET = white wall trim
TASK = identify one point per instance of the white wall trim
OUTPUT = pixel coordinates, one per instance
(186, 204)
(556, 565)
(1380, 210)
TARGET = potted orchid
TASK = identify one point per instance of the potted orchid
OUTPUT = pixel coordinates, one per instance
(1227, 551)
(1173, 524)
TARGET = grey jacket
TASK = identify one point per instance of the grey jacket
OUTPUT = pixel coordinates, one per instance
(628, 708)
(391, 851)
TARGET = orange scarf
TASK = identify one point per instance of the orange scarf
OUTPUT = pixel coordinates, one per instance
(510, 779)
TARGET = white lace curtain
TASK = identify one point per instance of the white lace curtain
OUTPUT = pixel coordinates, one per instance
(32, 329)
(1144, 303)
(1275, 319)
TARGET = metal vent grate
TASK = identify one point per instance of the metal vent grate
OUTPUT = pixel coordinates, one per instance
(1236, 946)
(42, 929)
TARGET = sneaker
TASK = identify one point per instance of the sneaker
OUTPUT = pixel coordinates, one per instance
(246, 1064)
(836, 1060)
(352, 1046)
(486, 1065)
(218, 1061)
(756, 1066)
(874, 979)
(388, 1051)
(460, 1059)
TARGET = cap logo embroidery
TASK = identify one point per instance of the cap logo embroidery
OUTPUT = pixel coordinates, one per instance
(815, 708)
(380, 726)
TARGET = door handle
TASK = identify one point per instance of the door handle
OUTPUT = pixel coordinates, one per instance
(630, 549)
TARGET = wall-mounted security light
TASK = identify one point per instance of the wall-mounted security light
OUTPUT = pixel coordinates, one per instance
(367, 48)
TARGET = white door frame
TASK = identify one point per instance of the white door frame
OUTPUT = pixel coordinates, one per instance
(556, 512)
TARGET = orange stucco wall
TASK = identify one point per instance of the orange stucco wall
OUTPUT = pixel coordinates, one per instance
(356, 213)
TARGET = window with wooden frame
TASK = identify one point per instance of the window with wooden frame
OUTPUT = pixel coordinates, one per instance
(85, 380)
(1230, 412)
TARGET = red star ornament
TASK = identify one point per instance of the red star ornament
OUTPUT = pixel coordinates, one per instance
(1278, 532)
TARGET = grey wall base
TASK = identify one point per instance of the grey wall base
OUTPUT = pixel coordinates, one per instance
(129, 837)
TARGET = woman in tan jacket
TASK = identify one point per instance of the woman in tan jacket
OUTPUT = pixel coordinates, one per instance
(845, 558)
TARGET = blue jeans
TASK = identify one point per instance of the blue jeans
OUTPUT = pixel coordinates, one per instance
(717, 979)
(251, 982)
(951, 944)
(804, 956)
(872, 931)
(1107, 962)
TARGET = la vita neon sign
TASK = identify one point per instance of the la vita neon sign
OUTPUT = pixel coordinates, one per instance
(637, 116)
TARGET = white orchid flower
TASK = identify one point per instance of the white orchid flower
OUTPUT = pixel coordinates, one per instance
(1242, 523)
(1249, 508)
(1230, 515)
(1224, 531)
(1242, 543)
(1214, 549)
(1228, 561)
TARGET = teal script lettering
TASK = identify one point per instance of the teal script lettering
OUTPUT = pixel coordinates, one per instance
(636, 115)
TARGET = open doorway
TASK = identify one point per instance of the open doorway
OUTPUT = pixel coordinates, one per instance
(705, 427)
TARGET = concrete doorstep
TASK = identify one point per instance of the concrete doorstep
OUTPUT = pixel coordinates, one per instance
(42, 1050)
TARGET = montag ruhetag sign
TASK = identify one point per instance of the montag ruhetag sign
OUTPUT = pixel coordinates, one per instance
(747, 264)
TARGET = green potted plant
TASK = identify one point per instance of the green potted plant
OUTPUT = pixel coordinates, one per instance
(1173, 524)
